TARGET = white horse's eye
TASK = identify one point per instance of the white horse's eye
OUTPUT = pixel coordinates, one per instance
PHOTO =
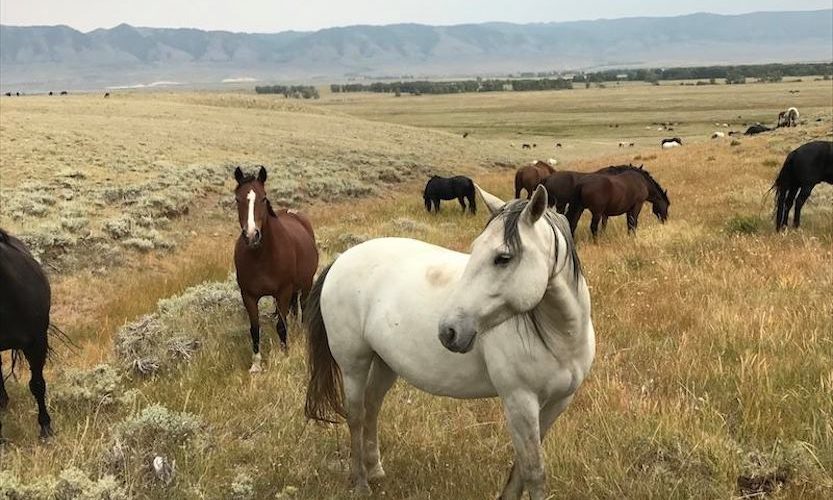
(503, 259)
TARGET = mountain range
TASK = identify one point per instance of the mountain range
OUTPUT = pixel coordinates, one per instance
(41, 57)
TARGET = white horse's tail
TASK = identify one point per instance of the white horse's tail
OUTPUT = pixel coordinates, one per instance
(325, 391)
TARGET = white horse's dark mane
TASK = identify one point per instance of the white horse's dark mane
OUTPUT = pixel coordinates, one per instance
(511, 214)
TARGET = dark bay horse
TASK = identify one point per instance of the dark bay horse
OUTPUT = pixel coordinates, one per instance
(561, 185)
(610, 195)
(275, 255)
(458, 187)
(806, 166)
(529, 176)
(25, 300)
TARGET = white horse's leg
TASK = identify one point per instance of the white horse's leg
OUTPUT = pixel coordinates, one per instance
(514, 485)
(380, 381)
(522, 416)
(355, 381)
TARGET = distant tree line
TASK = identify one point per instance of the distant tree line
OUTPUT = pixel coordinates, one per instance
(732, 74)
(455, 87)
(294, 91)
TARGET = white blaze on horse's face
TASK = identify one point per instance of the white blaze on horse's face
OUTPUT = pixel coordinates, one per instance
(251, 228)
(500, 282)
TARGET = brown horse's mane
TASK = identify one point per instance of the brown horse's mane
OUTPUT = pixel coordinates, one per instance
(647, 175)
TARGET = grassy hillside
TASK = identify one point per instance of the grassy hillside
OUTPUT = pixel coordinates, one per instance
(712, 376)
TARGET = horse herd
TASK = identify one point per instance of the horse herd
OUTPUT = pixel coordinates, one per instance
(509, 320)
(607, 192)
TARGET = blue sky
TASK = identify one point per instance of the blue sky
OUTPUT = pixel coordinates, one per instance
(272, 15)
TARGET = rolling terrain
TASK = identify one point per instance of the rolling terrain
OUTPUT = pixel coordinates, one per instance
(713, 368)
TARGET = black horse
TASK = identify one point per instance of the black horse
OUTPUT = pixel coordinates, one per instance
(804, 167)
(441, 188)
(25, 299)
(757, 129)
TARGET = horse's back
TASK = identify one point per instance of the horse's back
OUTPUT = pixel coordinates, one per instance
(812, 162)
(384, 296)
(24, 296)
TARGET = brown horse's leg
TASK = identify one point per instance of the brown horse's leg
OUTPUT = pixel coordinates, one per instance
(283, 300)
(250, 302)
(604, 223)
(633, 218)
(788, 205)
(37, 385)
(462, 203)
(594, 226)
(573, 215)
(4, 396)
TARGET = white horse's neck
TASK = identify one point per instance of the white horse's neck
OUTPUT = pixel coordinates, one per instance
(563, 315)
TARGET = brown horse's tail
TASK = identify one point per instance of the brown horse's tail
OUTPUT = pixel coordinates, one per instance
(325, 391)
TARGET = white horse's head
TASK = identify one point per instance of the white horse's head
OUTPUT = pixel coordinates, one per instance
(511, 264)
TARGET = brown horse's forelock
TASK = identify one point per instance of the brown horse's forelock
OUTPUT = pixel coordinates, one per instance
(511, 214)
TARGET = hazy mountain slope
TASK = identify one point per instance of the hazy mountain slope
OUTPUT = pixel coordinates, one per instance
(40, 55)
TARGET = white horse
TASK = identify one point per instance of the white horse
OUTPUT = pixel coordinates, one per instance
(510, 320)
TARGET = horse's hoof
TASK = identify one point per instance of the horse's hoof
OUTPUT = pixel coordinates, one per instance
(376, 473)
(46, 432)
(362, 489)
(255, 368)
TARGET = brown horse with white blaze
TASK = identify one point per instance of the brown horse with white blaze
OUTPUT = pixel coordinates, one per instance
(275, 255)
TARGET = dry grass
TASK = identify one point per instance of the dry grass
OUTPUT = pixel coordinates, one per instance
(713, 376)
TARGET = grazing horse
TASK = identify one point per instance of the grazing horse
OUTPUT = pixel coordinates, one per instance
(788, 118)
(526, 146)
(529, 176)
(561, 185)
(757, 129)
(25, 300)
(806, 166)
(610, 195)
(511, 320)
(275, 255)
(106, 95)
(458, 187)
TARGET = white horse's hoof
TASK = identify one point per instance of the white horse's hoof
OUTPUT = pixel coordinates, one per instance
(362, 489)
(376, 473)
(255, 369)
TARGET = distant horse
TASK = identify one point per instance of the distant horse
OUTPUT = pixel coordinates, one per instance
(8, 94)
(561, 185)
(106, 95)
(64, 92)
(526, 146)
(788, 118)
(25, 300)
(275, 255)
(465, 134)
(51, 93)
(458, 187)
(511, 320)
(610, 195)
(558, 145)
(671, 143)
(529, 176)
(806, 166)
(757, 129)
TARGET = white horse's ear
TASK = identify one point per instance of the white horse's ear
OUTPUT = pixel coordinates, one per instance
(536, 206)
(493, 203)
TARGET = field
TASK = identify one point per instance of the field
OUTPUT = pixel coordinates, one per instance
(714, 367)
